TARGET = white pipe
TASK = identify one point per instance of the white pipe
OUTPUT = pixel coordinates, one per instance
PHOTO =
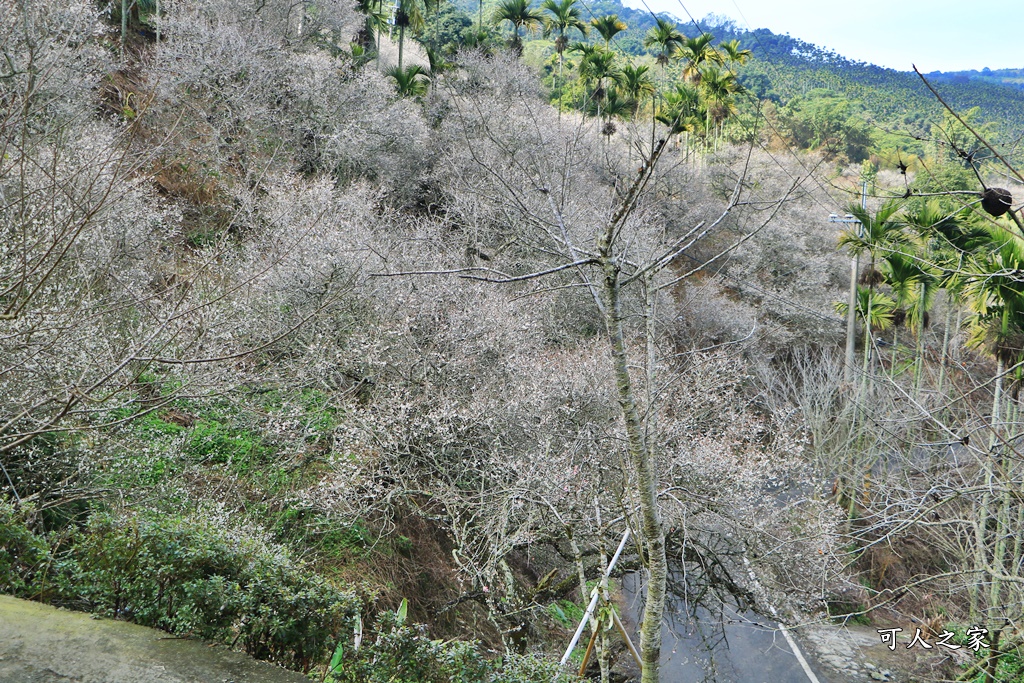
(594, 595)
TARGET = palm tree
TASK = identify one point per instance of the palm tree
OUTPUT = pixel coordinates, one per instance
(519, 14)
(695, 53)
(679, 109)
(597, 65)
(878, 234)
(438, 65)
(913, 286)
(950, 239)
(995, 294)
(608, 26)
(874, 308)
(437, 18)
(718, 88)
(369, 33)
(563, 17)
(733, 54)
(410, 82)
(616, 103)
(407, 15)
(636, 83)
(666, 37)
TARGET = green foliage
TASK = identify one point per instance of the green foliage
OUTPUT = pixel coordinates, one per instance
(520, 15)
(401, 653)
(191, 578)
(566, 612)
(530, 668)
(952, 141)
(824, 121)
(411, 81)
(303, 527)
(24, 555)
(878, 307)
(404, 654)
(215, 442)
(1009, 667)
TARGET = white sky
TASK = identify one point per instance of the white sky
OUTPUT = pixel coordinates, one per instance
(937, 35)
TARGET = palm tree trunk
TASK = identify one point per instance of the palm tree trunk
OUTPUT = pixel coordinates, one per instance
(380, 28)
(945, 342)
(1002, 532)
(561, 83)
(124, 25)
(401, 41)
(981, 518)
(895, 350)
(919, 369)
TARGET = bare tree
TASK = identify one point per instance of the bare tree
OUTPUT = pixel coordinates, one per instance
(543, 208)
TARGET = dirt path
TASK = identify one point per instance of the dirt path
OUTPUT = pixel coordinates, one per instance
(41, 644)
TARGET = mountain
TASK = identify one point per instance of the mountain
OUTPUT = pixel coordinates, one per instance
(784, 68)
(1010, 77)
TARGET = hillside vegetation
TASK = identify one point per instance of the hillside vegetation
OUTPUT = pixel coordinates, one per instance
(361, 353)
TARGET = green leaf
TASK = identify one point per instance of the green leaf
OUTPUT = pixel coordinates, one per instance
(403, 610)
(339, 653)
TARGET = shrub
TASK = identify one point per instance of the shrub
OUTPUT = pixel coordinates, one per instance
(401, 653)
(23, 554)
(191, 578)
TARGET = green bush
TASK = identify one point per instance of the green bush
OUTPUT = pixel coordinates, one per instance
(404, 654)
(23, 555)
(191, 578)
(221, 444)
(400, 653)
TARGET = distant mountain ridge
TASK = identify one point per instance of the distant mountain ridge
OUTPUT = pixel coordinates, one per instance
(785, 67)
(1013, 78)
(790, 67)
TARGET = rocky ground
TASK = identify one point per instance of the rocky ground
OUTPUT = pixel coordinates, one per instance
(856, 654)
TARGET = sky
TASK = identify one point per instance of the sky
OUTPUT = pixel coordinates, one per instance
(936, 35)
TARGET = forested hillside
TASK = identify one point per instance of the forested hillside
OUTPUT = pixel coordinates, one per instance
(1011, 77)
(380, 344)
(895, 107)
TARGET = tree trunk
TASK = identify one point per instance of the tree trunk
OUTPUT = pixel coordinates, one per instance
(124, 25)
(640, 457)
(945, 342)
(919, 369)
(981, 517)
(401, 42)
(561, 83)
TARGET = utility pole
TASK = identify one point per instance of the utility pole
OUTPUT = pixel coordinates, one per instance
(851, 308)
